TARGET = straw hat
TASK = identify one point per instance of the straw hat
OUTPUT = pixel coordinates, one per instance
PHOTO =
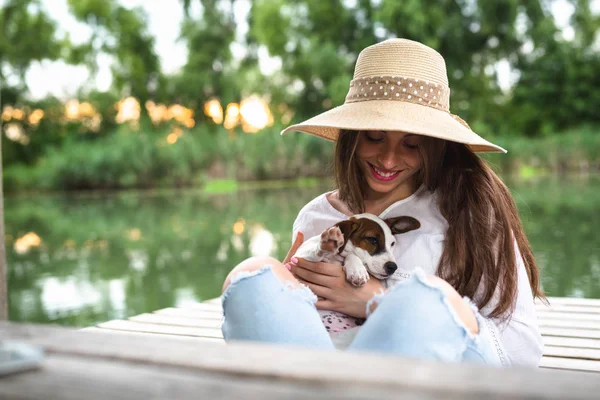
(398, 85)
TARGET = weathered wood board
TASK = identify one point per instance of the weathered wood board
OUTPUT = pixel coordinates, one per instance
(570, 328)
(98, 365)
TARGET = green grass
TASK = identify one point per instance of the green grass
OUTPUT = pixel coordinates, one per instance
(221, 186)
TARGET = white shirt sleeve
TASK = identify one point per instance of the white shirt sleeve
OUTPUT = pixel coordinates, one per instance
(520, 334)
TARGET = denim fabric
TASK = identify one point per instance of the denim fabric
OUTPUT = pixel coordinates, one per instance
(412, 319)
(258, 306)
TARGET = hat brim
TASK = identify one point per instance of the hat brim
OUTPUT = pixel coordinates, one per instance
(390, 115)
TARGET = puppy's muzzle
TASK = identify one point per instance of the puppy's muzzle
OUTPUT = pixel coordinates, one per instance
(390, 267)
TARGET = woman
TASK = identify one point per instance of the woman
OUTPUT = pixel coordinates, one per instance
(399, 151)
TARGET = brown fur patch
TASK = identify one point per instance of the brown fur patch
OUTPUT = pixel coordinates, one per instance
(359, 230)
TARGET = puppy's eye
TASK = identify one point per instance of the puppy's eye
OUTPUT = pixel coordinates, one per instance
(372, 240)
(393, 243)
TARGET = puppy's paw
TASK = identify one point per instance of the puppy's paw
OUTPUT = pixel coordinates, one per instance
(331, 240)
(356, 274)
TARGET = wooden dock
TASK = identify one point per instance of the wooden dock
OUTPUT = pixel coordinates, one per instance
(570, 328)
(102, 365)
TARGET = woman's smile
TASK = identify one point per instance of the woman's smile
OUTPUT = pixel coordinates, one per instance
(382, 174)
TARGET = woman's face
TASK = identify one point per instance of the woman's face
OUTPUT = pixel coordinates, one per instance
(390, 161)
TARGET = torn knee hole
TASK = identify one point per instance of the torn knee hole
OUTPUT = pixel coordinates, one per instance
(462, 306)
(373, 303)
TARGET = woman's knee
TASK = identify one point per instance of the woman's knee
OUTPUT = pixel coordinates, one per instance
(462, 309)
(256, 263)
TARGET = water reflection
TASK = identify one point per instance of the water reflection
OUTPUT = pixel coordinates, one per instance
(78, 260)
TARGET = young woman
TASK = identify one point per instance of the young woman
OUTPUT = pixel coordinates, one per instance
(399, 151)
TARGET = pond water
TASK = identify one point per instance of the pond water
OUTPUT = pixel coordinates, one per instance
(82, 259)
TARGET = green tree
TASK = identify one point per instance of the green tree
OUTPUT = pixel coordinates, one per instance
(319, 41)
(208, 71)
(28, 34)
(557, 87)
(123, 34)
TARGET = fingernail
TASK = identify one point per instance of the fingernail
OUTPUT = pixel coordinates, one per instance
(294, 260)
(288, 266)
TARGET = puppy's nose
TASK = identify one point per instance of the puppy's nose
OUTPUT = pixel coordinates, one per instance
(390, 267)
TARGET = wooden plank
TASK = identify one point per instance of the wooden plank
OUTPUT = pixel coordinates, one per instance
(565, 316)
(571, 342)
(76, 378)
(572, 301)
(203, 306)
(177, 321)
(190, 313)
(80, 364)
(557, 323)
(570, 364)
(567, 332)
(144, 334)
(569, 309)
(121, 325)
(570, 352)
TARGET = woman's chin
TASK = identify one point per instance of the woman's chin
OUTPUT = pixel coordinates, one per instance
(384, 186)
(399, 184)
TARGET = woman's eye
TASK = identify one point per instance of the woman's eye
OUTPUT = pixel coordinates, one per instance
(373, 138)
(411, 145)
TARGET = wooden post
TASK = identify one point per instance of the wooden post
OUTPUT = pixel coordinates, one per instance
(3, 275)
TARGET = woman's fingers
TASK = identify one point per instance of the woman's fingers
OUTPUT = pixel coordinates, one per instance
(297, 243)
(319, 267)
(312, 277)
(324, 304)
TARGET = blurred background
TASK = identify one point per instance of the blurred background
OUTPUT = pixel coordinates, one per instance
(141, 150)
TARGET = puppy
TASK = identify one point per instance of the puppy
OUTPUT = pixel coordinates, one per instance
(362, 244)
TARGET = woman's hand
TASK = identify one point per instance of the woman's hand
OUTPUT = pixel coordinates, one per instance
(297, 243)
(328, 282)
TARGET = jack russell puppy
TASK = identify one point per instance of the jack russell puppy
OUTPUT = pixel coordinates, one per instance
(362, 245)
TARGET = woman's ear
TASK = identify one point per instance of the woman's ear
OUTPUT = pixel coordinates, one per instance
(402, 224)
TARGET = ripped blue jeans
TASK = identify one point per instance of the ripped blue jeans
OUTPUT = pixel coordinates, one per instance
(412, 319)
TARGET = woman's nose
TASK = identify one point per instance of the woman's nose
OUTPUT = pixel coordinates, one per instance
(388, 158)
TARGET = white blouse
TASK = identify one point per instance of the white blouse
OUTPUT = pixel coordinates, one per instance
(423, 248)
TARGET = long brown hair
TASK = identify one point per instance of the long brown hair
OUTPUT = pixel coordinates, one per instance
(479, 258)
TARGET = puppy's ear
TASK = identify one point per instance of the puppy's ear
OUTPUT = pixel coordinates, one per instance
(402, 224)
(348, 227)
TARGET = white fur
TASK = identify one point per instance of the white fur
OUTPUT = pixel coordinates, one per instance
(357, 262)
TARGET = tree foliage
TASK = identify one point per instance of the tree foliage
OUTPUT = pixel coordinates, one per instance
(27, 35)
(123, 34)
(319, 42)
(554, 74)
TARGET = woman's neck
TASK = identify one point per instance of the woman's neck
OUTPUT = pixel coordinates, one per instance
(377, 202)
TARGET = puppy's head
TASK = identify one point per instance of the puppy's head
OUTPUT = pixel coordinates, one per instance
(371, 239)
